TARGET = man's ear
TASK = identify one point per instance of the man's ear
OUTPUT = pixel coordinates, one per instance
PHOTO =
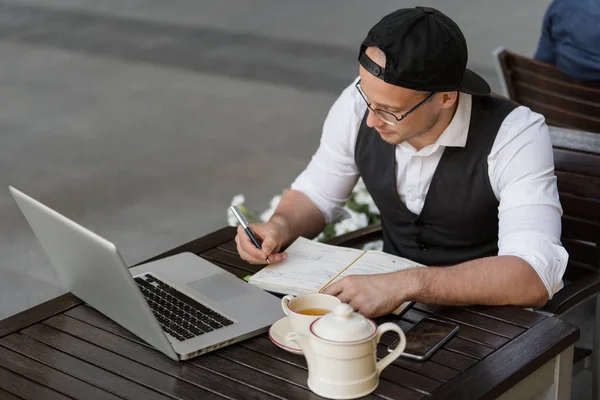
(448, 99)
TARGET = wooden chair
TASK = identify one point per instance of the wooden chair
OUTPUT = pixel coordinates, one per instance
(564, 101)
(577, 162)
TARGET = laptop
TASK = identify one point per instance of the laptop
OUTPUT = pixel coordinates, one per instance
(182, 305)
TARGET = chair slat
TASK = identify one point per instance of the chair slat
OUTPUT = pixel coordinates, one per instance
(580, 229)
(573, 139)
(555, 86)
(577, 271)
(576, 162)
(566, 118)
(544, 69)
(580, 207)
(577, 184)
(582, 252)
(565, 102)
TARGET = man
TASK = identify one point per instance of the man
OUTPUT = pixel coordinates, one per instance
(571, 38)
(464, 181)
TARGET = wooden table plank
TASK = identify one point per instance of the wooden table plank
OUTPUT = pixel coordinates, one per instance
(116, 363)
(38, 313)
(79, 369)
(229, 246)
(409, 382)
(426, 368)
(513, 315)
(453, 360)
(468, 348)
(134, 348)
(253, 378)
(4, 395)
(519, 358)
(256, 360)
(87, 314)
(25, 388)
(467, 332)
(393, 374)
(264, 346)
(200, 245)
(231, 259)
(478, 321)
(210, 363)
(409, 379)
(50, 377)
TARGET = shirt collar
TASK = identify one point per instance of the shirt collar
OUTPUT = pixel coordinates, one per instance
(455, 134)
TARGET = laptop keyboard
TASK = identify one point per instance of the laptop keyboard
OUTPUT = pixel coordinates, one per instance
(178, 314)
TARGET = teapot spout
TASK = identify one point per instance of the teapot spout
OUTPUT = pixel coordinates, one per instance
(308, 351)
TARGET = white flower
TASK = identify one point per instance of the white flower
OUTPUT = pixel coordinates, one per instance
(360, 186)
(265, 216)
(238, 200)
(275, 201)
(362, 197)
(231, 219)
(374, 245)
(356, 221)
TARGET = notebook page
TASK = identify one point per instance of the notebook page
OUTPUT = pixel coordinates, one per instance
(308, 267)
(378, 262)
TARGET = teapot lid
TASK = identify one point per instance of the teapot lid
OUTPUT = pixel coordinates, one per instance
(343, 325)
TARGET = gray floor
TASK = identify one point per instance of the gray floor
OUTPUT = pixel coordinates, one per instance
(142, 118)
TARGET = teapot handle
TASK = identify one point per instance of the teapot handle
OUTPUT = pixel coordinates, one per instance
(387, 360)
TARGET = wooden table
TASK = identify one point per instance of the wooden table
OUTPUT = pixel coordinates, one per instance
(64, 349)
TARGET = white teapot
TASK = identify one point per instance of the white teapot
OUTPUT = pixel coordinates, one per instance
(341, 353)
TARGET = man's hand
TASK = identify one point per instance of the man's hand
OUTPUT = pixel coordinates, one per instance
(271, 234)
(371, 295)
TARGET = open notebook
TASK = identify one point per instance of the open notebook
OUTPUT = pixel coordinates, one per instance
(312, 266)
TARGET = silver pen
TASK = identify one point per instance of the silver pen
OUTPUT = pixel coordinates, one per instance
(244, 223)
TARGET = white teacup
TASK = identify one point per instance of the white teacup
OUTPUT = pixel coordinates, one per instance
(301, 311)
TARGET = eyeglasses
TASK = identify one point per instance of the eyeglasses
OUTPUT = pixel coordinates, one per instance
(387, 116)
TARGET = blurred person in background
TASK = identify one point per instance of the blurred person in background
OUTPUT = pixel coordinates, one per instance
(571, 38)
(464, 180)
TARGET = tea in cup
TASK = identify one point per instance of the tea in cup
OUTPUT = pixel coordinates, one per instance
(303, 310)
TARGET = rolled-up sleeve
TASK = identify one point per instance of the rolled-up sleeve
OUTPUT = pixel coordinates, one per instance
(521, 166)
(332, 173)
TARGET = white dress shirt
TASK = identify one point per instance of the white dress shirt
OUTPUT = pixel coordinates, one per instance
(520, 168)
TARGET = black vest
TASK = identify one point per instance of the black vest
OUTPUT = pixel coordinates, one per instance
(459, 220)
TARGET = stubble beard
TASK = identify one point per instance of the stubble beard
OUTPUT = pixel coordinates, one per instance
(432, 121)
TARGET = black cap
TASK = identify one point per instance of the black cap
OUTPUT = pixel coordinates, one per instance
(425, 50)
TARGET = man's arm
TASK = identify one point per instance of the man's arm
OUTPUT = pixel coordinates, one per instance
(299, 216)
(497, 280)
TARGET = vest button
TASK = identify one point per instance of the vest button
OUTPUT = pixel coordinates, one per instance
(423, 247)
